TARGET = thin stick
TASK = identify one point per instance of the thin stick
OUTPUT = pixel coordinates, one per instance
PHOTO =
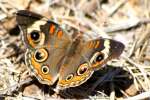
(141, 96)
(116, 7)
(126, 24)
(13, 87)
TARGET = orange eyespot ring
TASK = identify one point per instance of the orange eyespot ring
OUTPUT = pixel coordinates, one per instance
(97, 58)
(35, 36)
(69, 77)
(41, 55)
(82, 69)
(45, 69)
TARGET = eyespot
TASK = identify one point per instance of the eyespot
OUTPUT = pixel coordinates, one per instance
(45, 69)
(82, 69)
(69, 77)
(35, 36)
(40, 55)
(97, 57)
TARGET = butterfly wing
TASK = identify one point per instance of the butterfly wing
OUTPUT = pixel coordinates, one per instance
(46, 45)
(50, 52)
(84, 58)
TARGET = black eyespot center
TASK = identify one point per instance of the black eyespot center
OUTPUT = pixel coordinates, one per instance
(41, 55)
(100, 57)
(35, 35)
(69, 77)
(45, 69)
(82, 69)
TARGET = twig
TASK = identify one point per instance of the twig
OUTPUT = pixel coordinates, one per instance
(140, 67)
(13, 87)
(112, 94)
(145, 35)
(115, 8)
(106, 77)
(126, 24)
(141, 96)
(132, 49)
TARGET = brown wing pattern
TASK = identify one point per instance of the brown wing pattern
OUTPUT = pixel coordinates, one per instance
(85, 58)
(46, 45)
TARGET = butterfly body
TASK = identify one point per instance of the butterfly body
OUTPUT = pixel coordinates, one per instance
(53, 55)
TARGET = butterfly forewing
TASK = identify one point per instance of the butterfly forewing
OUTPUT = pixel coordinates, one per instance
(46, 43)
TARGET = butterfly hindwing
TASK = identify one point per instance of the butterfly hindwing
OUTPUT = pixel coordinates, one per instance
(85, 58)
